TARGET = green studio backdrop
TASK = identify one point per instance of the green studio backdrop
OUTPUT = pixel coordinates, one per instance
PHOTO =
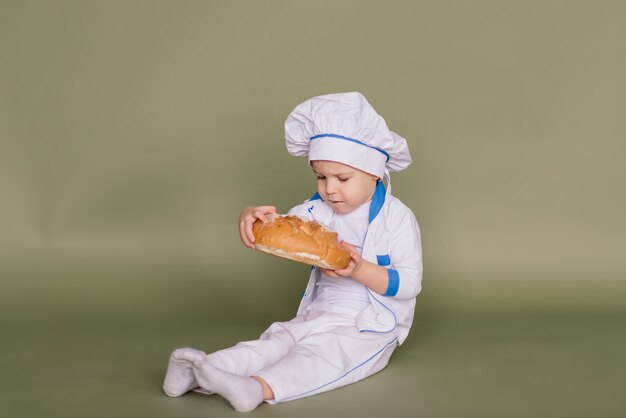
(133, 133)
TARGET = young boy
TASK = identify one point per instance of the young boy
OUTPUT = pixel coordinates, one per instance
(349, 320)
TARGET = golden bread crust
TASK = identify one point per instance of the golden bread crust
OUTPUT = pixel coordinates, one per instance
(300, 240)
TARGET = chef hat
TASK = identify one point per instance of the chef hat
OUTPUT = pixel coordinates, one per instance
(345, 128)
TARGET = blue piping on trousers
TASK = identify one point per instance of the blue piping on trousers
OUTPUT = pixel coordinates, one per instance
(344, 375)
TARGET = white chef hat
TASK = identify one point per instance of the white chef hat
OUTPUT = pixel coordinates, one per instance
(345, 128)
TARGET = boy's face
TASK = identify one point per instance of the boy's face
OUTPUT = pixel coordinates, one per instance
(343, 187)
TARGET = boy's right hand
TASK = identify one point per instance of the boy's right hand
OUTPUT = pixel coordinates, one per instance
(247, 217)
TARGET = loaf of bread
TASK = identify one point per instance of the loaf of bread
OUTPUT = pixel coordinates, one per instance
(298, 239)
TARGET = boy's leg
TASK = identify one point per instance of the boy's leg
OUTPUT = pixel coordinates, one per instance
(336, 356)
(248, 357)
(268, 393)
(243, 359)
(232, 372)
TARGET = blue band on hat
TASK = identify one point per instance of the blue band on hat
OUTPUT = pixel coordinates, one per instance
(351, 140)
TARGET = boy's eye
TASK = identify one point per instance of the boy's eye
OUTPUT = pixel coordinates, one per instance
(321, 177)
(344, 180)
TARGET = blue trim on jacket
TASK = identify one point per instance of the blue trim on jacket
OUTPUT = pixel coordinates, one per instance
(316, 196)
(394, 282)
(378, 200)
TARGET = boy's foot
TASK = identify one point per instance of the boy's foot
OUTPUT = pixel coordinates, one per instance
(243, 393)
(179, 378)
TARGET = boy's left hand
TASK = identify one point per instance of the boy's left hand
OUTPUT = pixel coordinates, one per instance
(355, 264)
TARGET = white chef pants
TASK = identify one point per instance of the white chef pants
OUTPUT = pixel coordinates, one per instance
(313, 353)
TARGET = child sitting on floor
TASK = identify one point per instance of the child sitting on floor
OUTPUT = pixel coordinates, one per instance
(350, 320)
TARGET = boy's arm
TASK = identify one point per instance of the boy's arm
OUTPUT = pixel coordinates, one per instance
(371, 275)
(404, 276)
(405, 255)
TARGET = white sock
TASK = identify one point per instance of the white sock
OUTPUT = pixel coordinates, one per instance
(179, 378)
(243, 393)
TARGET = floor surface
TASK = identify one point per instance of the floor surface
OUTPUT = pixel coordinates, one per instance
(501, 364)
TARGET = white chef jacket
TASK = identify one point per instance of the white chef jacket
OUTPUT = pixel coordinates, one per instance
(393, 240)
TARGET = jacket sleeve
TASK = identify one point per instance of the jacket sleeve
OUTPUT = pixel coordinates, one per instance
(405, 253)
